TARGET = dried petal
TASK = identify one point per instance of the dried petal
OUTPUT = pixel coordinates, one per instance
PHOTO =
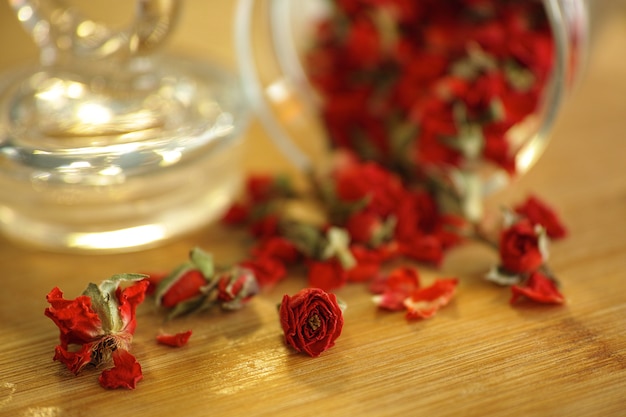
(538, 288)
(327, 275)
(236, 287)
(76, 320)
(397, 287)
(129, 298)
(424, 302)
(538, 212)
(125, 374)
(74, 361)
(174, 340)
(268, 271)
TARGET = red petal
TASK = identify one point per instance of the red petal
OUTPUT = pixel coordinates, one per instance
(423, 249)
(538, 288)
(174, 340)
(125, 374)
(74, 361)
(278, 248)
(398, 286)
(76, 320)
(129, 298)
(237, 214)
(153, 280)
(538, 212)
(326, 275)
(424, 302)
(267, 271)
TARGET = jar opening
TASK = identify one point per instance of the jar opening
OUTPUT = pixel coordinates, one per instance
(426, 88)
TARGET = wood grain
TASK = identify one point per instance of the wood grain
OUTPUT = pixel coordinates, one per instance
(478, 356)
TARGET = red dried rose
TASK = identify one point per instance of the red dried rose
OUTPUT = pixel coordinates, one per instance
(424, 302)
(538, 212)
(368, 261)
(539, 288)
(311, 320)
(277, 247)
(423, 248)
(263, 187)
(237, 213)
(396, 288)
(326, 275)
(174, 340)
(521, 248)
(265, 227)
(236, 287)
(125, 374)
(359, 181)
(268, 271)
(101, 322)
(363, 226)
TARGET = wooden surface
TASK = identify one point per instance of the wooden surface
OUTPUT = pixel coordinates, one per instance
(478, 356)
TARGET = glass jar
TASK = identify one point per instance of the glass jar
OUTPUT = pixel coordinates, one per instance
(276, 40)
(108, 145)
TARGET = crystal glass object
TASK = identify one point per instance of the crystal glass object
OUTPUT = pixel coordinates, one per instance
(107, 145)
(275, 38)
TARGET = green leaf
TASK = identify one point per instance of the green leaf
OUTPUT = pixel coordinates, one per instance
(203, 261)
(194, 305)
(308, 239)
(104, 302)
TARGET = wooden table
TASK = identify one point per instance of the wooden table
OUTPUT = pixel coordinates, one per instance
(478, 356)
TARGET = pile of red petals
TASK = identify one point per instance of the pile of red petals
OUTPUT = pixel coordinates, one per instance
(426, 84)
(372, 216)
(400, 290)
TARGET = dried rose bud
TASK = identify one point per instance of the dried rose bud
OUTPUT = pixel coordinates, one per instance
(184, 287)
(311, 320)
(236, 287)
(523, 247)
(538, 212)
(189, 281)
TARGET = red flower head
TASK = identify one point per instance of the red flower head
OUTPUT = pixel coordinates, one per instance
(277, 247)
(267, 271)
(326, 275)
(538, 288)
(538, 212)
(187, 283)
(236, 287)
(355, 181)
(311, 320)
(522, 247)
(102, 322)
